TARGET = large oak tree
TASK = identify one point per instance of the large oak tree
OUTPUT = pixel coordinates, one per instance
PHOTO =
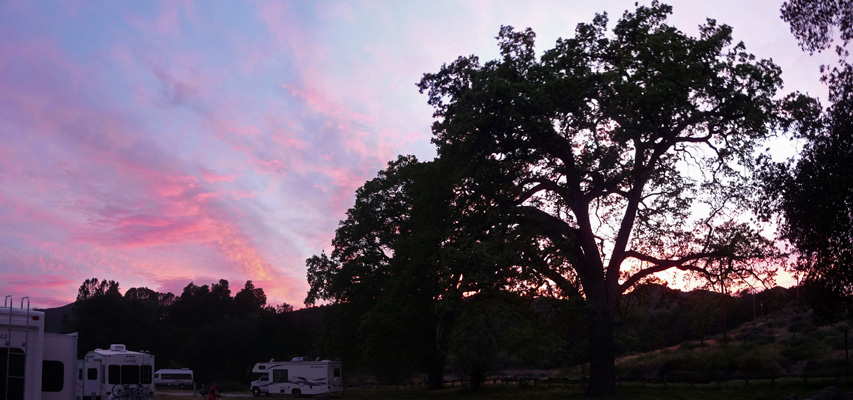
(613, 156)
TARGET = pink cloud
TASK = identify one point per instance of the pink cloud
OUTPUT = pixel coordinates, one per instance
(287, 30)
(42, 290)
(166, 231)
(270, 166)
(291, 143)
(320, 102)
(210, 176)
(167, 23)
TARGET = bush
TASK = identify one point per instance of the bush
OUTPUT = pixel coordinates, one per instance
(801, 350)
(801, 325)
(836, 341)
(756, 365)
(825, 368)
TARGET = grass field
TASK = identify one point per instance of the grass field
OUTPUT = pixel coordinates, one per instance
(726, 391)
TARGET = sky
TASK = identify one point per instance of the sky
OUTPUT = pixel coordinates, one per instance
(158, 143)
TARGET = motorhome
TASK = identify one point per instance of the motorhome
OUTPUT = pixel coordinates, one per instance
(296, 377)
(34, 365)
(179, 378)
(116, 373)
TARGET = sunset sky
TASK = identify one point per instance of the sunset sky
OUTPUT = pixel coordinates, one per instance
(163, 143)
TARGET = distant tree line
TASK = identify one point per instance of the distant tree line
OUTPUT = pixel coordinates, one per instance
(217, 333)
(221, 336)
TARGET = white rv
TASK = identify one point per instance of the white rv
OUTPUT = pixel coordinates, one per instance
(179, 378)
(116, 373)
(34, 365)
(297, 377)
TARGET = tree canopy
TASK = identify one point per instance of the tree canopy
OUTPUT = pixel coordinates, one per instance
(614, 157)
(206, 329)
(814, 193)
(815, 22)
(391, 264)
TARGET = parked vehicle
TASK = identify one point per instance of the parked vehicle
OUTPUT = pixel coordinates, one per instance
(116, 373)
(34, 365)
(179, 378)
(296, 377)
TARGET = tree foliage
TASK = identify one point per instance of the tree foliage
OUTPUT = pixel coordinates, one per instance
(815, 22)
(364, 243)
(815, 195)
(613, 157)
(392, 261)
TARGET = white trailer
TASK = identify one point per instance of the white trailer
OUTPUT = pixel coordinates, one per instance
(34, 365)
(297, 377)
(116, 373)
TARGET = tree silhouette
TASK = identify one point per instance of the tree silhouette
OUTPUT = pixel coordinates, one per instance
(390, 262)
(815, 195)
(611, 158)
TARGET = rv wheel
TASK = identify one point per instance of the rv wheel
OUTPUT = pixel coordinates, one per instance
(256, 392)
(297, 392)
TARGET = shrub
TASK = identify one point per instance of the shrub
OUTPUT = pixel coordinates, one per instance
(801, 325)
(758, 365)
(803, 349)
(825, 368)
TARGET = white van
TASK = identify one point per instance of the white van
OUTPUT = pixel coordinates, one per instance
(179, 378)
(297, 377)
(34, 365)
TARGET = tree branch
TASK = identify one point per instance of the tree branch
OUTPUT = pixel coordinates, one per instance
(660, 265)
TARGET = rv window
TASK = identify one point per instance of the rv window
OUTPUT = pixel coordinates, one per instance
(184, 376)
(130, 374)
(114, 374)
(52, 376)
(337, 373)
(279, 375)
(92, 374)
(12, 386)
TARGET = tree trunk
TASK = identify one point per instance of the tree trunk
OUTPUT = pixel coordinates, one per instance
(435, 375)
(443, 322)
(602, 366)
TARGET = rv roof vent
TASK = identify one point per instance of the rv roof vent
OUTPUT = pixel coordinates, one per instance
(298, 359)
(118, 347)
